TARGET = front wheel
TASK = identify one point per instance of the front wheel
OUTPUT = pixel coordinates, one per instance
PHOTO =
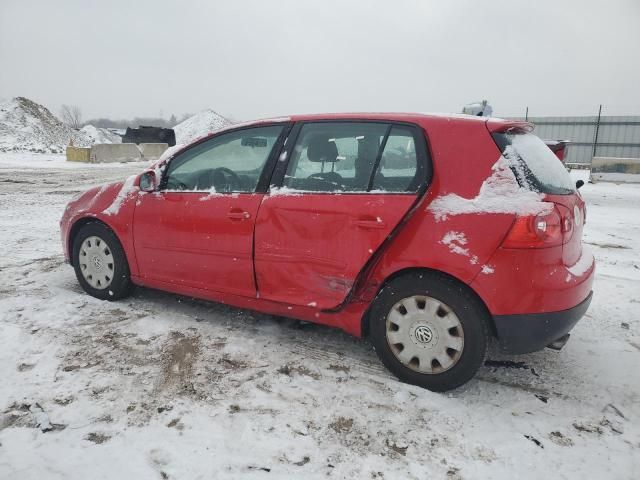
(429, 330)
(100, 262)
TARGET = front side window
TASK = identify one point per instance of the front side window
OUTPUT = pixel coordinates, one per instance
(230, 162)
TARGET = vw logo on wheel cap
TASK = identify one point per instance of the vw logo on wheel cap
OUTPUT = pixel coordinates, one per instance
(423, 334)
(97, 262)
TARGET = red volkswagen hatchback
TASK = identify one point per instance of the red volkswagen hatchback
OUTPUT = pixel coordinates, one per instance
(429, 234)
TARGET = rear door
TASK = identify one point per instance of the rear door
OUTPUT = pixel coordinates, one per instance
(344, 189)
(197, 230)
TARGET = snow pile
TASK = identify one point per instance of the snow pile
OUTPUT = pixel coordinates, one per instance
(100, 135)
(29, 126)
(500, 193)
(198, 125)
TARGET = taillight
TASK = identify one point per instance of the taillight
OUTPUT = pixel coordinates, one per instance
(537, 231)
(567, 228)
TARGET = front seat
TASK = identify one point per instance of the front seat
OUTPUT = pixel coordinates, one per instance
(320, 149)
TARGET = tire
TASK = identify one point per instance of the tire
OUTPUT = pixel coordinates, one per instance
(100, 262)
(424, 315)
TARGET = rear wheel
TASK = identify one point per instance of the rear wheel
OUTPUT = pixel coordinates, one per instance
(429, 330)
(100, 263)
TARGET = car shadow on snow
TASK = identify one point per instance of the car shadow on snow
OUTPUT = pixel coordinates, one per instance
(540, 373)
(315, 341)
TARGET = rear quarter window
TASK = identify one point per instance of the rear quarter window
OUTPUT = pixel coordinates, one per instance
(534, 164)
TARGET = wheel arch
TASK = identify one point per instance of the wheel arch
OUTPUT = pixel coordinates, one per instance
(364, 323)
(75, 228)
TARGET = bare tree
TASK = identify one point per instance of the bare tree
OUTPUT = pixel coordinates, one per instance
(71, 115)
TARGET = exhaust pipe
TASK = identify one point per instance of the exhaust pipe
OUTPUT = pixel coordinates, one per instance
(559, 343)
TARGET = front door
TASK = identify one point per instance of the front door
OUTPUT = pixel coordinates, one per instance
(347, 185)
(197, 230)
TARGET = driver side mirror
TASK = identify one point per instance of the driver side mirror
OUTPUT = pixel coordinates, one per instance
(148, 181)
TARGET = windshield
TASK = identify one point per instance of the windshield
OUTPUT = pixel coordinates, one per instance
(539, 166)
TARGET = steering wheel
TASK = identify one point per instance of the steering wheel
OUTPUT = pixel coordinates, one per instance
(224, 179)
(329, 177)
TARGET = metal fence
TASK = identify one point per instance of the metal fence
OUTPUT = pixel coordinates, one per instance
(594, 136)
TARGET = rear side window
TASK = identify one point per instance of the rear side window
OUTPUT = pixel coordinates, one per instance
(398, 169)
(534, 164)
(356, 157)
(335, 157)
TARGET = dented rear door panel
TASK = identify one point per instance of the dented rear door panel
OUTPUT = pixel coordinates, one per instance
(310, 247)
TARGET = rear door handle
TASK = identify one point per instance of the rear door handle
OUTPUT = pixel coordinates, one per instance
(370, 222)
(237, 214)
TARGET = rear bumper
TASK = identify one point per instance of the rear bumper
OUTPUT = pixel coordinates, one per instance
(531, 332)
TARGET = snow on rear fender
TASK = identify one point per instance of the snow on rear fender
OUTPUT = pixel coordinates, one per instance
(499, 193)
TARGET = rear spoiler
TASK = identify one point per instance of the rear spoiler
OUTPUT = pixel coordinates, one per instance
(556, 145)
(497, 125)
(559, 147)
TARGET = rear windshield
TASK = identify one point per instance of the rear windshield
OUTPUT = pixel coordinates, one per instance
(534, 163)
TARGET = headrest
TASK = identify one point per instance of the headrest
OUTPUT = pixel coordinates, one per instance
(320, 149)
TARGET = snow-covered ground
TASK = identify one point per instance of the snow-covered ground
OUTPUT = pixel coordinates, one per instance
(27, 161)
(161, 386)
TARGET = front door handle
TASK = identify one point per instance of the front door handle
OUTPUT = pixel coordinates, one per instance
(370, 222)
(237, 214)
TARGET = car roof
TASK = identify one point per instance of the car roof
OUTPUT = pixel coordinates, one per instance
(494, 124)
(387, 116)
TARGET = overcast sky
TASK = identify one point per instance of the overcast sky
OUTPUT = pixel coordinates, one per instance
(251, 59)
